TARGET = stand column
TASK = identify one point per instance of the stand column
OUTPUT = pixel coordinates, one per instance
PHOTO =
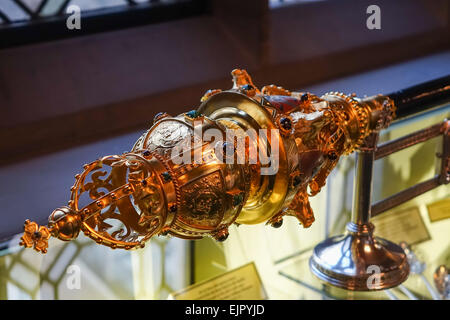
(348, 261)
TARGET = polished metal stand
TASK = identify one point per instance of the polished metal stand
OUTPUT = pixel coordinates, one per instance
(358, 260)
(347, 261)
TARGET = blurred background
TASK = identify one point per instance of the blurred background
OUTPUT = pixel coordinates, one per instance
(70, 96)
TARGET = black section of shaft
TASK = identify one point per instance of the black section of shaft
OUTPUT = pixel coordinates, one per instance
(421, 97)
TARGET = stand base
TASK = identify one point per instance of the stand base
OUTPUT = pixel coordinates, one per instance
(351, 261)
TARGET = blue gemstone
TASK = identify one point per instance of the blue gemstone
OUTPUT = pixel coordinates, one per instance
(286, 123)
(193, 114)
(247, 87)
(297, 180)
(237, 199)
(158, 116)
(166, 176)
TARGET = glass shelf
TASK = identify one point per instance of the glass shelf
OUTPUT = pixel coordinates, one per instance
(297, 270)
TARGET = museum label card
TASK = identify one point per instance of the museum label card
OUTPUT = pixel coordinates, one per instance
(439, 210)
(242, 283)
(405, 225)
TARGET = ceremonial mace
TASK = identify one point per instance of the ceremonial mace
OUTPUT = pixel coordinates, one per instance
(244, 156)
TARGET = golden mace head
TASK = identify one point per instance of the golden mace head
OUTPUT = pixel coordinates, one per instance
(173, 183)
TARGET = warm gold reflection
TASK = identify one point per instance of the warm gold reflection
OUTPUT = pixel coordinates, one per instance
(185, 177)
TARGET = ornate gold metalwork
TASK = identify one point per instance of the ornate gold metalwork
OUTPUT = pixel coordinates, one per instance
(35, 236)
(121, 201)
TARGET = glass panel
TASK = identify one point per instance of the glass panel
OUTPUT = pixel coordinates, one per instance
(19, 10)
(97, 4)
(82, 269)
(51, 8)
(280, 3)
(33, 5)
(13, 11)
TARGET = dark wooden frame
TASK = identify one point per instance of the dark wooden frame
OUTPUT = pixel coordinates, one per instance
(39, 30)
